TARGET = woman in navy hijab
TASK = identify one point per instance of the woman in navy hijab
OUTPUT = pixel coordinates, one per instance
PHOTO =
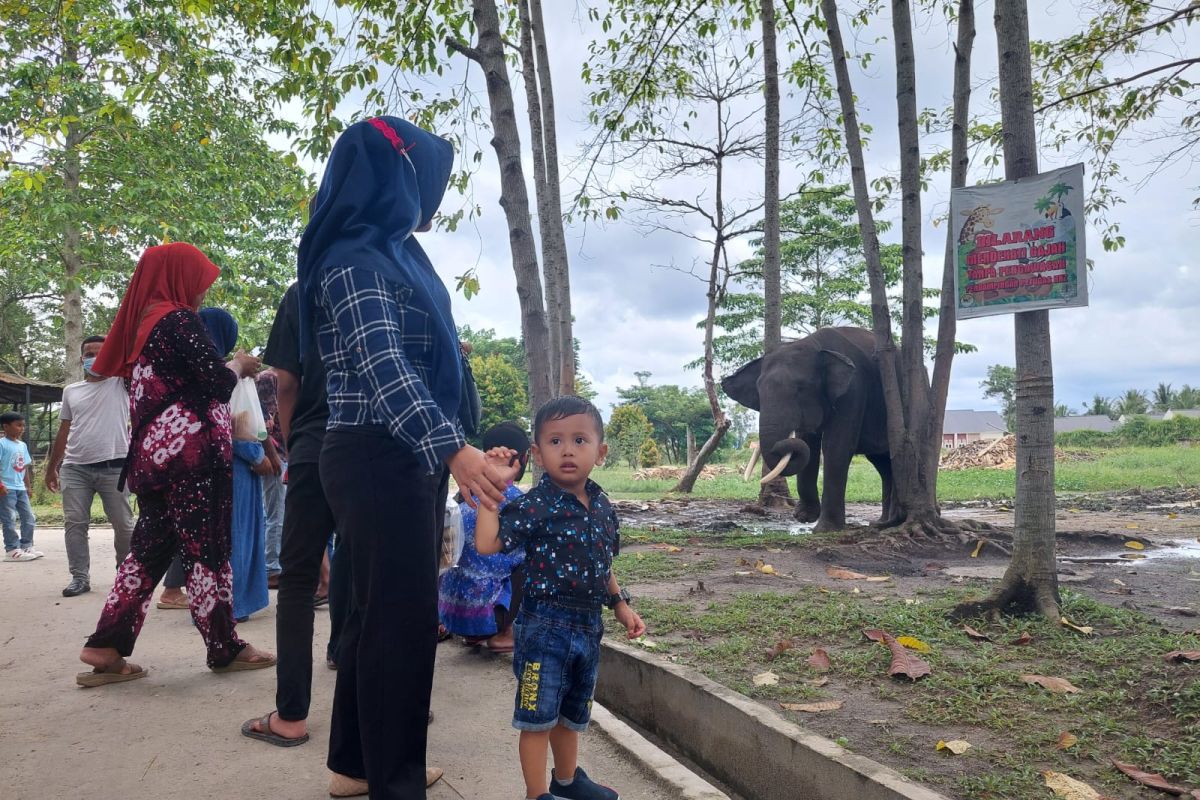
(380, 315)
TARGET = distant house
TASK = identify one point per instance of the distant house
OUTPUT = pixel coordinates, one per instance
(1172, 413)
(963, 426)
(1121, 420)
(1086, 422)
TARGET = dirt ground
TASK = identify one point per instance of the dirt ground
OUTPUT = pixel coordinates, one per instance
(1092, 531)
(174, 733)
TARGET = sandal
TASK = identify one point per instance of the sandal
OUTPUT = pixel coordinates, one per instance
(444, 633)
(178, 605)
(498, 648)
(103, 677)
(242, 665)
(265, 734)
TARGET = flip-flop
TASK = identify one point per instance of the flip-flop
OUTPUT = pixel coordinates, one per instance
(473, 641)
(320, 600)
(100, 677)
(174, 605)
(444, 633)
(498, 649)
(243, 666)
(265, 734)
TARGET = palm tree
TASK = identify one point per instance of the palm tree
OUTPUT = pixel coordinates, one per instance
(1164, 399)
(1043, 205)
(1187, 397)
(1062, 410)
(1101, 405)
(1059, 190)
(1134, 401)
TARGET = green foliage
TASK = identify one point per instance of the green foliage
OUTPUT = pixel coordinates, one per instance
(648, 455)
(627, 428)
(1134, 401)
(1001, 384)
(501, 390)
(1100, 406)
(122, 126)
(671, 410)
(1084, 438)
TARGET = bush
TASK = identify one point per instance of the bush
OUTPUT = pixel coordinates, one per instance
(1139, 431)
(648, 455)
(1085, 438)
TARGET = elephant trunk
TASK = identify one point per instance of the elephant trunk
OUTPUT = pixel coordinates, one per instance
(790, 454)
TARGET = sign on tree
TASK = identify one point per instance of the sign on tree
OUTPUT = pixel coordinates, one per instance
(1020, 244)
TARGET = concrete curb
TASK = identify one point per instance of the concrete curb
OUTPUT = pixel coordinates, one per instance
(688, 784)
(755, 751)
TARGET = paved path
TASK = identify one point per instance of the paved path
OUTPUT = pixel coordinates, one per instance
(174, 734)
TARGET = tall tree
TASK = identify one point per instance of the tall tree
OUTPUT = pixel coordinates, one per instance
(1031, 580)
(1164, 397)
(1100, 405)
(1001, 384)
(914, 415)
(124, 125)
(1134, 401)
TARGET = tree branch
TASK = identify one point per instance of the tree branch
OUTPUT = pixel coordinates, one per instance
(1184, 63)
(461, 47)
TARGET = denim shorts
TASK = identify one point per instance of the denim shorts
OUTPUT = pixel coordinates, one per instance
(555, 659)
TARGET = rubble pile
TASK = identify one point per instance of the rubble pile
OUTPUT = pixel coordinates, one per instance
(997, 454)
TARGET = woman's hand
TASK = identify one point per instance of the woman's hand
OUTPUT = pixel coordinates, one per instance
(479, 481)
(506, 461)
(243, 364)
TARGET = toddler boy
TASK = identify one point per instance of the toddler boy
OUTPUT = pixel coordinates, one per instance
(570, 534)
(16, 482)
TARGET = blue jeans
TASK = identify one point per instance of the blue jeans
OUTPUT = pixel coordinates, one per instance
(16, 501)
(556, 658)
(274, 490)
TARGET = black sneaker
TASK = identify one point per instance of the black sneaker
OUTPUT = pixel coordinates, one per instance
(581, 788)
(77, 586)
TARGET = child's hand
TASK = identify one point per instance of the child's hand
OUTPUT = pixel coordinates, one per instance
(634, 627)
(505, 460)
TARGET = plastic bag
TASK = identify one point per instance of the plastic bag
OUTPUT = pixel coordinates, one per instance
(246, 413)
(452, 537)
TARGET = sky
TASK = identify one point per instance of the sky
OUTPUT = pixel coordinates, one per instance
(635, 313)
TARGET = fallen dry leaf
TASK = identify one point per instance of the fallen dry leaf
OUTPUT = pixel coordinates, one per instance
(819, 660)
(841, 574)
(1087, 630)
(1118, 582)
(1132, 556)
(1068, 788)
(1023, 639)
(976, 635)
(1179, 656)
(1066, 740)
(879, 578)
(903, 662)
(818, 682)
(670, 548)
(1154, 781)
(978, 548)
(813, 708)
(1183, 611)
(780, 647)
(1132, 526)
(956, 746)
(1056, 685)
(914, 644)
(766, 569)
(644, 642)
(1133, 544)
(766, 679)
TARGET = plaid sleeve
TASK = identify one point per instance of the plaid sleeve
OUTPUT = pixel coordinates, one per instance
(370, 319)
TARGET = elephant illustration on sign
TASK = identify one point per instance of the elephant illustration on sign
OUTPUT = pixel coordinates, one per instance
(820, 398)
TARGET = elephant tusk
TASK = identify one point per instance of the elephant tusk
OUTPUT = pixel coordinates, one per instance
(779, 468)
(754, 454)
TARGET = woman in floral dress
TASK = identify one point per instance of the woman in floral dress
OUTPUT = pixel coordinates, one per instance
(179, 463)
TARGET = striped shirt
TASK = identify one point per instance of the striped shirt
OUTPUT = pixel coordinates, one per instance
(378, 356)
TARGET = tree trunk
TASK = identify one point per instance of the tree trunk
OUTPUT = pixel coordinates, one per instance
(777, 492)
(691, 445)
(514, 197)
(552, 217)
(959, 160)
(1031, 580)
(72, 289)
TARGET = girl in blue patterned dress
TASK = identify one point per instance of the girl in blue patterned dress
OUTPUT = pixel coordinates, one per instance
(478, 598)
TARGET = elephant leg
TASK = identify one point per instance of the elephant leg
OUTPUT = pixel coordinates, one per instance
(809, 507)
(833, 495)
(891, 506)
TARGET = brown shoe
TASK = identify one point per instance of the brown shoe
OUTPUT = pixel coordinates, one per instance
(344, 786)
(432, 774)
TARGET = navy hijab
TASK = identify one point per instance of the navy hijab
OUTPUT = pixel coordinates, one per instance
(222, 328)
(385, 178)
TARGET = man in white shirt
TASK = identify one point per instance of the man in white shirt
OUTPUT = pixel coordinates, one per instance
(89, 452)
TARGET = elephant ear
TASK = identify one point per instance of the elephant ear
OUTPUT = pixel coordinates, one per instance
(742, 385)
(839, 372)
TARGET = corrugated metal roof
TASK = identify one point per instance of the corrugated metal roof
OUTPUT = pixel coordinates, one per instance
(13, 389)
(1085, 422)
(966, 421)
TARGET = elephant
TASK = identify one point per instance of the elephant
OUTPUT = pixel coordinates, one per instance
(820, 398)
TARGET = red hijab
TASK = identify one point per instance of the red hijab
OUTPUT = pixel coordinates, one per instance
(168, 277)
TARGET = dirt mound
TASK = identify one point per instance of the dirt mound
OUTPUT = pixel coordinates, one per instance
(997, 454)
(675, 473)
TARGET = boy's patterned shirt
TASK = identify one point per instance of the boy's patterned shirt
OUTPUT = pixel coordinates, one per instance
(568, 548)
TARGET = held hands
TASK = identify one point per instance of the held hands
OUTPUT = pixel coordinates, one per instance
(634, 627)
(478, 479)
(506, 461)
(243, 364)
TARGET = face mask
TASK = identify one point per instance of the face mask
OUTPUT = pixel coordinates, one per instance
(87, 365)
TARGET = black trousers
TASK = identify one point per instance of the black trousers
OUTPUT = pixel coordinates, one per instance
(307, 526)
(389, 520)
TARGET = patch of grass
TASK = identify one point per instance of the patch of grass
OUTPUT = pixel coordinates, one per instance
(1110, 470)
(1131, 705)
(49, 512)
(738, 540)
(642, 566)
